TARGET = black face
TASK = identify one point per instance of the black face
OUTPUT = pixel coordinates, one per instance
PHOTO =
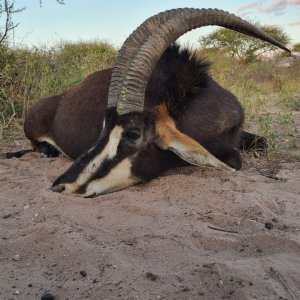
(125, 154)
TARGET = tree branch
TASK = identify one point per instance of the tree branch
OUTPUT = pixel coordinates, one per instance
(8, 9)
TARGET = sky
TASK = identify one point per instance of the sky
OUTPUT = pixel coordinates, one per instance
(114, 20)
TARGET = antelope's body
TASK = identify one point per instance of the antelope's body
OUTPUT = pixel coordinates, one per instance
(72, 121)
(155, 110)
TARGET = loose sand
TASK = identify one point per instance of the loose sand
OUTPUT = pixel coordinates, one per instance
(153, 241)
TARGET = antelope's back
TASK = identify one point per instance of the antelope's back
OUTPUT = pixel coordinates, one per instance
(71, 121)
(79, 117)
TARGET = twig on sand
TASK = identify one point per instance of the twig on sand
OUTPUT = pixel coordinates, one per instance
(281, 280)
(275, 176)
(224, 230)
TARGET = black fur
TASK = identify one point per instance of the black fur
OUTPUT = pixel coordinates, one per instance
(250, 141)
(178, 78)
(17, 154)
(200, 107)
(44, 148)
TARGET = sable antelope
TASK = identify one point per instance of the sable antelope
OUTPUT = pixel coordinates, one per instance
(156, 110)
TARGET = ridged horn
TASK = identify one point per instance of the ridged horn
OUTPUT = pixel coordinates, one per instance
(130, 48)
(132, 93)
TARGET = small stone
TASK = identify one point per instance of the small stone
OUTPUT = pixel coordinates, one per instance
(26, 206)
(30, 285)
(224, 179)
(185, 289)
(151, 276)
(17, 292)
(220, 283)
(274, 220)
(269, 225)
(47, 296)
(16, 257)
(36, 215)
(6, 216)
(180, 279)
(99, 217)
(83, 273)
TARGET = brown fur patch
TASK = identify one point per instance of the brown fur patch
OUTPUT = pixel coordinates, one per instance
(167, 131)
(185, 147)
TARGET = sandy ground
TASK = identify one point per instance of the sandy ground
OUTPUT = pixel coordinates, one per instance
(153, 241)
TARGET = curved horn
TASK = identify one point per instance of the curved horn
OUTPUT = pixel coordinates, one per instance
(130, 48)
(133, 89)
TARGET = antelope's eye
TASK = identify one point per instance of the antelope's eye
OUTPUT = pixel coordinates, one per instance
(132, 135)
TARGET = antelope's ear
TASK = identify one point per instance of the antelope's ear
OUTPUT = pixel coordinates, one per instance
(170, 138)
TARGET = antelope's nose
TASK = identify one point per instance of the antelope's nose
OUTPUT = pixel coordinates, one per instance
(58, 188)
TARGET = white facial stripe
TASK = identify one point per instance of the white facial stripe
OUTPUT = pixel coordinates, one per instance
(109, 151)
(118, 178)
(114, 141)
(51, 142)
